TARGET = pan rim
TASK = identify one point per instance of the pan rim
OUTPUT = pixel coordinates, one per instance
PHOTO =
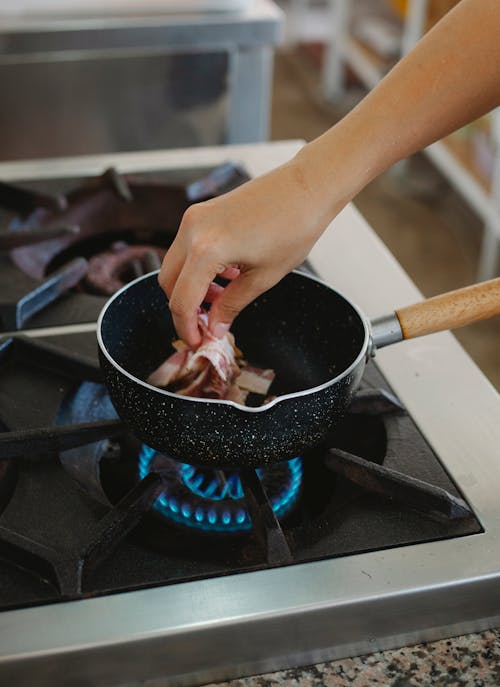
(225, 402)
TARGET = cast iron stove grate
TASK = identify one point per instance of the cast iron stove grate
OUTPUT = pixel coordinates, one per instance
(90, 238)
(58, 542)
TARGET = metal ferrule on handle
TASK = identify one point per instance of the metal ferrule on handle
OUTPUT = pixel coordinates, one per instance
(386, 330)
(446, 311)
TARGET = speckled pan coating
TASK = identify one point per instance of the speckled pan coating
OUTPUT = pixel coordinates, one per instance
(313, 338)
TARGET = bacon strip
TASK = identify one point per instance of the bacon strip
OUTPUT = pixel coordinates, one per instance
(171, 370)
(214, 370)
(255, 380)
(218, 352)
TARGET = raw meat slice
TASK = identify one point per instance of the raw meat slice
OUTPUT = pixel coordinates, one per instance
(255, 380)
(216, 369)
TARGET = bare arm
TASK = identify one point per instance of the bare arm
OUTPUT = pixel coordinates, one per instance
(449, 79)
(267, 227)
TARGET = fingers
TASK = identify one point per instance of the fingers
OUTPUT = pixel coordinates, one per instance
(188, 294)
(186, 276)
(214, 291)
(231, 301)
(171, 267)
(185, 284)
(230, 273)
(185, 323)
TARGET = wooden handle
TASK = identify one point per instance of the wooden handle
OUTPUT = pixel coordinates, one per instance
(451, 310)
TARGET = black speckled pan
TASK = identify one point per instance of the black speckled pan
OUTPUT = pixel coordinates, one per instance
(315, 339)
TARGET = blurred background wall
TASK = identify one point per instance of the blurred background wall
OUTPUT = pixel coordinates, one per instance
(439, 212)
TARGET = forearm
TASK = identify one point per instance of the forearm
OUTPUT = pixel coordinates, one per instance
(265, 227)
(450, 78)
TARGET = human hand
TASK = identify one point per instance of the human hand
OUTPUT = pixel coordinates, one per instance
(252, 236)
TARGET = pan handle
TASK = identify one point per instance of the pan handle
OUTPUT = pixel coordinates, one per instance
(447, 311)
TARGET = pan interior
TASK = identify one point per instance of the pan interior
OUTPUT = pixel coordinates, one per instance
(301, 328)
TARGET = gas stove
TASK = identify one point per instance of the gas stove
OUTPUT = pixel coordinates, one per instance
(119, 564)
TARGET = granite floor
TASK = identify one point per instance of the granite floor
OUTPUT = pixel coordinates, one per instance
(423, 221)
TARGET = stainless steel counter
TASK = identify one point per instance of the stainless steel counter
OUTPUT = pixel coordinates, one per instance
(80, 85)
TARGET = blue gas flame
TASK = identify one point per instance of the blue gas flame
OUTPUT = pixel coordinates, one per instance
(208, 512)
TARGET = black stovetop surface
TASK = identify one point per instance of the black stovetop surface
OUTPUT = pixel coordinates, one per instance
(47, 520)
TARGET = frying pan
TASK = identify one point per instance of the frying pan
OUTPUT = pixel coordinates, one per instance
(315, 339)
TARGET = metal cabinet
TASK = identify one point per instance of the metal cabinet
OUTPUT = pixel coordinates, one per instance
(78, 86)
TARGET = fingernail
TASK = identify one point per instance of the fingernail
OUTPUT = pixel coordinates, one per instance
(221, 329)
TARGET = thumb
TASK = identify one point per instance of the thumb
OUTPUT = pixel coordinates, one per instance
(236, 295)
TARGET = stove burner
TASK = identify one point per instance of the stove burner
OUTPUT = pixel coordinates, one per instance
(109, 270)
(105, 209)
(213, 501)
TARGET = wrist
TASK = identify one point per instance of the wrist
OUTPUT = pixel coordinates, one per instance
(341, 162)
(327, 184)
